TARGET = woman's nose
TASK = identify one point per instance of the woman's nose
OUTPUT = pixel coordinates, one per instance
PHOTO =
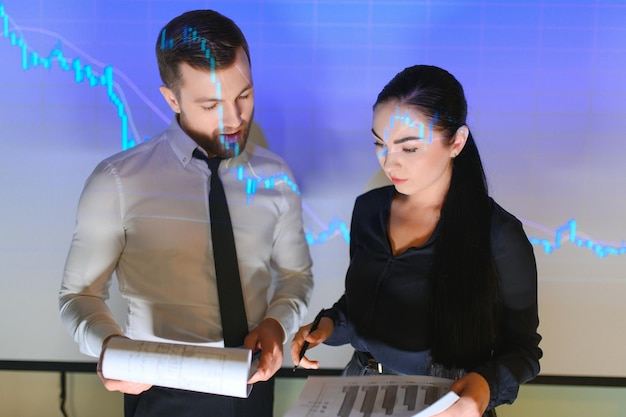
(391, 156)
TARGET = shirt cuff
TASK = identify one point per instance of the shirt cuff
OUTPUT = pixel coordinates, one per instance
(96, 335)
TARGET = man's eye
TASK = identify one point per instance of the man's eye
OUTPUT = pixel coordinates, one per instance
(207, 108)
(410, 150)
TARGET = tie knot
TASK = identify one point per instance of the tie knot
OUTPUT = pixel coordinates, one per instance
(213, 163)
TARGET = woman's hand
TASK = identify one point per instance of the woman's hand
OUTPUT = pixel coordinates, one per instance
(473, 391)
(323, 332)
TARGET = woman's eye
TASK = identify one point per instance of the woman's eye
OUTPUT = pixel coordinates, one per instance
(378, 144)
(243, 97)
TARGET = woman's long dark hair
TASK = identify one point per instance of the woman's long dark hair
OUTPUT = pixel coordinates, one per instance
(465, 302)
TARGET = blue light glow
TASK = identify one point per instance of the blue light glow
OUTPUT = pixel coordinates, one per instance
(567, 233)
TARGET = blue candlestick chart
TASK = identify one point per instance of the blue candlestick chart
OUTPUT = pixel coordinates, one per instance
(93, 74)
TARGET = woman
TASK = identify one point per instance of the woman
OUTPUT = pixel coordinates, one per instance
(442, 280)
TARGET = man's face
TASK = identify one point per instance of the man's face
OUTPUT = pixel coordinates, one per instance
(216, 107)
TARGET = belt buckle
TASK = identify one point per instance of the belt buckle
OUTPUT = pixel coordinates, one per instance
(374, 365)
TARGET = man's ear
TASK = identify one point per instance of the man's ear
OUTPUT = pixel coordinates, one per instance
(459, 140)
(170, 98)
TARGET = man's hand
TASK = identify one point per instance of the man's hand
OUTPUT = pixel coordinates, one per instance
(267, 337)
(126, 387)
(323, 332)
(474, 392)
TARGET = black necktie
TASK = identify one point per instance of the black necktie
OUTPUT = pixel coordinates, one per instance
(232, 310)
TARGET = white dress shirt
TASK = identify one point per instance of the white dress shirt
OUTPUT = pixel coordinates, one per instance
(144, 215)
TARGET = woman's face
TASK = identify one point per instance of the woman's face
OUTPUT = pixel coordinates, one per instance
(416, 158)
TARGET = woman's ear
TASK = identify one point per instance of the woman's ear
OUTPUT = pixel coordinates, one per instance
(170, 98)
(459, 140)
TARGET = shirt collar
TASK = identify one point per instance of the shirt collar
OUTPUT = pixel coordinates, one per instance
(183, 146)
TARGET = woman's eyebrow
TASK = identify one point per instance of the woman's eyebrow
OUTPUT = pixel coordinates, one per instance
(376, 135)
(397, 141)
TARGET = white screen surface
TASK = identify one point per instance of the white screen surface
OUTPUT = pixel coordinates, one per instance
(546, 95)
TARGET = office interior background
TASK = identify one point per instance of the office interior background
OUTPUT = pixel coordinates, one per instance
(547, 105)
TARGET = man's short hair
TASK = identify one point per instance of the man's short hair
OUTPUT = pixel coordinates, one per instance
(203, 39)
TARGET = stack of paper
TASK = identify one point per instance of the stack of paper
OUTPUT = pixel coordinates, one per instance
(373, 396)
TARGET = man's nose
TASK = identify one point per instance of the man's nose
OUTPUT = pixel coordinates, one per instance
(230, 116)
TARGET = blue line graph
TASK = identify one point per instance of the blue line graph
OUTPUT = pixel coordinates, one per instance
(190, 35)
(82, 72)
(336, 227)
(86, 74)
(408, 122)
(253, 183)
(567, 233)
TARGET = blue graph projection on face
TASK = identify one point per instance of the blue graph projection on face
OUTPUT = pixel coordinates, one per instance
(190, 35)
(567, 233)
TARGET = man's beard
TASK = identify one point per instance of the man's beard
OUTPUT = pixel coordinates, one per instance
(218, 145)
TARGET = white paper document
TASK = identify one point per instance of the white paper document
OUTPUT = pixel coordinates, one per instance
(373, 396)
(214, 370)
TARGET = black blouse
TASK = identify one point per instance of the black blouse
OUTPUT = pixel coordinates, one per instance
(385, 307)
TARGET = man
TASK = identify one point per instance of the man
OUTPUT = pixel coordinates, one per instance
(143, 214)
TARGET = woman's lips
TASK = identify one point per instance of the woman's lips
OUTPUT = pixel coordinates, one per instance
(397, 180)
